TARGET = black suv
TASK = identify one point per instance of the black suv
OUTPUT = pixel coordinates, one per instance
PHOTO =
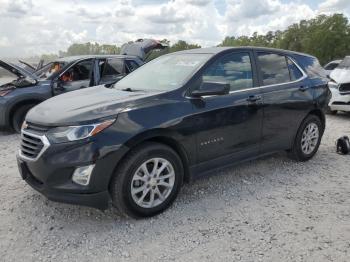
(179, 117)
(22, 89)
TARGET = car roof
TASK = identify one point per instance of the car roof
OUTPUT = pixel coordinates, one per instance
(217, 50)
(69, 59)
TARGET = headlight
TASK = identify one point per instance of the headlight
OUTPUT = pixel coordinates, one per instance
(333, 85)
(73, 133)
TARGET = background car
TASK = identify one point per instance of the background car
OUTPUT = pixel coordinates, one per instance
(331, 66)
(21, 89)
(340, 87)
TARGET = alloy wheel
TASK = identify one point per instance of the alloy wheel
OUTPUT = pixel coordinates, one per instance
(152, 182)
(309, 139)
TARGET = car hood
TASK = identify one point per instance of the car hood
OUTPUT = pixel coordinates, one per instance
(17, 70)
(84, 106)
(341, 76)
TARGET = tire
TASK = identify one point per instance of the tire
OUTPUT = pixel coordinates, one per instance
(19, 116)
(125, 181)
(300, 151)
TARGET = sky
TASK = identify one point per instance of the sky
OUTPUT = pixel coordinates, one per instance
(34, 27)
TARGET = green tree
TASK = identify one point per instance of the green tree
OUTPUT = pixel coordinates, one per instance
(326, 37)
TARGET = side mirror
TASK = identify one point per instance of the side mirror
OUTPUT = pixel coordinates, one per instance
(211, 89)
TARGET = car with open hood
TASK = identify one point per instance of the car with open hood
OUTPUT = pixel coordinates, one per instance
(179, 117)
(22, 89)
(340, 87)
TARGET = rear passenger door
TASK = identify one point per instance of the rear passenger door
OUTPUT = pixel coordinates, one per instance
(287, 98)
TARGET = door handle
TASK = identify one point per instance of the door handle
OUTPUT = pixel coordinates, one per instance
(254, 99)
(303, 88)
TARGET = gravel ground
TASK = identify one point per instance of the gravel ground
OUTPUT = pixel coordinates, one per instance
(272, 209)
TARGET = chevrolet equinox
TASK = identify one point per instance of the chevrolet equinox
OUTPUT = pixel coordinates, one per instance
(179, 117)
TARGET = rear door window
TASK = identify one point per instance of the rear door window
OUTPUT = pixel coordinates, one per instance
(111, 70)
(131, 65)
(274, 69)
(113, 67)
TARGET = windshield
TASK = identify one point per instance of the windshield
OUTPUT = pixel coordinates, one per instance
(331, 66)
(164, 73)
(49, 69)
(345, 64)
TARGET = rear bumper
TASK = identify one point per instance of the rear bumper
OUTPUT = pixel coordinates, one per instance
(99, 200)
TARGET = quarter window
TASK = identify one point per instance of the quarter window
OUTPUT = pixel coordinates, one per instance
(235, 69)
(273, 68)
(295, 73)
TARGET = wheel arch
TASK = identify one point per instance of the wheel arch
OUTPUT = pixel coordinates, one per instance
(18, 105)
(320, 114)
(161, 137)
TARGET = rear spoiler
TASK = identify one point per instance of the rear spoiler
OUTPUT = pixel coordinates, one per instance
(142, 48)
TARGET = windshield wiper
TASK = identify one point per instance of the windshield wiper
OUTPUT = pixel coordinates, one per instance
(128, 89)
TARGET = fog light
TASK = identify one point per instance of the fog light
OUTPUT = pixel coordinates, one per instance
(82, 175)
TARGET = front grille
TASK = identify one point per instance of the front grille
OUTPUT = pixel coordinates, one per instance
(341, 103)
(36, 128)
(31, 146)
(344, 88)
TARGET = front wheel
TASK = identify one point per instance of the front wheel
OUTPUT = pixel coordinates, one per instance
(147, 181)
(308, 139)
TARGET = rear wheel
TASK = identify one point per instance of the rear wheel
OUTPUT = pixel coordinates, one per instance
(308, 139)
(19, 116)
(147, 181)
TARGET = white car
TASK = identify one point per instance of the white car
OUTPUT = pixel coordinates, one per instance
(331, 66)
(340, 87)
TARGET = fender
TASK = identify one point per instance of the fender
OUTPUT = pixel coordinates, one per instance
(27, 99)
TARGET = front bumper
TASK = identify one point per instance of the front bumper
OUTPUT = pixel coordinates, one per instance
(51, 174)
(338, 101)
(98, 200)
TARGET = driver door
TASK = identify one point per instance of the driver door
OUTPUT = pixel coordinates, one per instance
(229, 126)
(78, 76)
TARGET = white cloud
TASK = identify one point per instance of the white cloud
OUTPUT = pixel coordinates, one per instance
(4, 42)
(245, 18)
(334, 6)
(31, 27)
(16, 8)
